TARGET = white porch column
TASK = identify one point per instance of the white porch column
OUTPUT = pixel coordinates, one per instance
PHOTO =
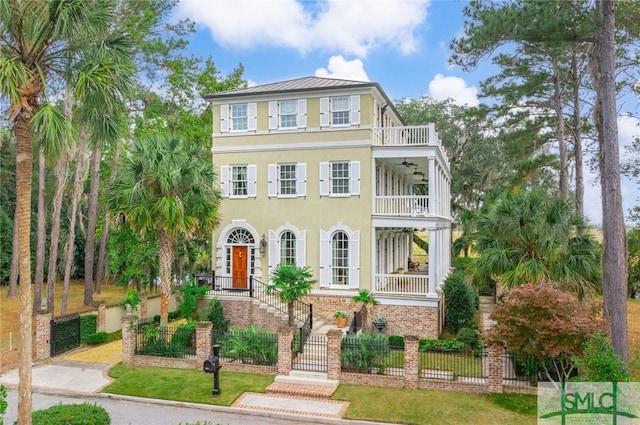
(434, 259)
(432, 186)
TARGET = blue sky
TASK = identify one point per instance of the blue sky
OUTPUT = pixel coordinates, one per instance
(401, 44)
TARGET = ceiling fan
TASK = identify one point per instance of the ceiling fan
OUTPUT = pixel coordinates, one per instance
(422, 181)
(407, 164)
(417, 173)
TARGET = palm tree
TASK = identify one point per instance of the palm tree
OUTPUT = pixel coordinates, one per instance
(292, 283)
(532, 237)
(164, 188)
(43, 41)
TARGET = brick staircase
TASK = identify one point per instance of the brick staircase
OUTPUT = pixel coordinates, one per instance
(303, 384)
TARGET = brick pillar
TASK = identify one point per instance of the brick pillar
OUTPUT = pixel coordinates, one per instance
(285, 337)
(43, 335)
(101, 326)
(411, 361)
(494, 368)
(203, 342)
(334, 340)
(142, 308)
(129, 333)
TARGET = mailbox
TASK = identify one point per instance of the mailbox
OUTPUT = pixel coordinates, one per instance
(212, 364)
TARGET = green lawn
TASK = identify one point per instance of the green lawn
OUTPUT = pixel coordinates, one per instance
(393, 405)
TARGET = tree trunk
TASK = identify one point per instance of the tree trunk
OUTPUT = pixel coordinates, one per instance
(614, 254)
(41, 232)
(78, 184)
(577, 135)
(61, 175)
(24, 176)
(291, 316)
(92, 218)
(166, 252)
(562, 143)
(13, 273)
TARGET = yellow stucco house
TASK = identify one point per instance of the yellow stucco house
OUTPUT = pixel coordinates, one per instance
(324, 172)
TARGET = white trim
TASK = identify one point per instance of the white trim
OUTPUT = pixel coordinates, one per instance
(354, 178)
(224, 181)
(252, 180)
(354, 106)
(273, 115)
(325, 113)
(324, 178)
(252, 116)
(302, 113)
(325, 250)
(221, 245)
(292, 147)
(301, 179)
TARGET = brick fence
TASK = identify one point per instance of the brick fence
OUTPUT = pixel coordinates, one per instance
(410, 378)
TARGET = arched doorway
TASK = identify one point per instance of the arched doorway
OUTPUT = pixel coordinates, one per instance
(240, 257)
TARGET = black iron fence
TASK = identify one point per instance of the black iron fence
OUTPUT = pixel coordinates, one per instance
(461, 364)
(372, 353)
(65, 333)
(251, 345)
(165, 341)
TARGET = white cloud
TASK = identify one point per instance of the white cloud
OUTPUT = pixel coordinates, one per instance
(349, 27)
(443, 88)
(341, 68)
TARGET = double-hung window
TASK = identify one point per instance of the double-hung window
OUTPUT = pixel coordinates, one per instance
(340, 110)
(239, 180)
(287, 180)
(239, 117)
(339, 257)
(288, 114)
(340, 178)
(287, 247)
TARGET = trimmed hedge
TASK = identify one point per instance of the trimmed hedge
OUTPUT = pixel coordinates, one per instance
(96, 338)
(72, 414)
(460, 302)
(88, 326)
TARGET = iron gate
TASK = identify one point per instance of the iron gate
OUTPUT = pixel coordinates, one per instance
(311, 355)
(65, 333)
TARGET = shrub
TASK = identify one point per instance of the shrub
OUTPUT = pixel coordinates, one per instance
(250, 345)
(184, 335)
(444, 345)
(396, 342)
(96, 338)
(469, 337)
(88, 326)
(363, 352)
(188, 298)
(133, 299)
(216, 315)
(460, 302)
(72, 414)
(599, 362)
(3, 402)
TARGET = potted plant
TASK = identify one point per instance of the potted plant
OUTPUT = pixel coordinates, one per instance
(379, 322)
(341, 318)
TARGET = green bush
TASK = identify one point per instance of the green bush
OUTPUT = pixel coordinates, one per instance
(250, 345)
(215, 315)
(133, 299)
(184, 335)
(88, 326)
(72, 414)
(396, 341)
(599, 362)
(3, 402)
(363, 352)
(469, 337)
(445, 345)
(96, 338)
(172, 316)
(188, 297)
(460, 302)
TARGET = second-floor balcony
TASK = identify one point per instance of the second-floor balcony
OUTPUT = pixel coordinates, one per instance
(402, 205)
(406, 135)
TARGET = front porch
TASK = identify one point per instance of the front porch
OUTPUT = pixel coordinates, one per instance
(414, 283)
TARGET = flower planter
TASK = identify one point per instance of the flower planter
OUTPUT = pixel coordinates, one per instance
(341, 322)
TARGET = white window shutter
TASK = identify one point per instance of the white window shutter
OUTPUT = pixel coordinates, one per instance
(301, 179)
(224, 118)
(252, 112)
(325, 250)
(273, 255)
(324, 179)
(301, 249)
(355, 110)
(273, 115)
(224, 181)
(324, 112)
(302, 113)
(272, 186)
(354, 260)
(252, 177)
(354, 175)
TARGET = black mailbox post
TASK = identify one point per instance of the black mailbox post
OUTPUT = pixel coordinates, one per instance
(212, 365)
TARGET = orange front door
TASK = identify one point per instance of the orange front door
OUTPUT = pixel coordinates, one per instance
(239, 266)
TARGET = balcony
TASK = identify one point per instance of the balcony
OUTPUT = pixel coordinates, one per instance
(402, 206)
(401, 284)
(406, 135)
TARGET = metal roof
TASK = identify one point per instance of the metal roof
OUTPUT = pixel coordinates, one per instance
(298, 84)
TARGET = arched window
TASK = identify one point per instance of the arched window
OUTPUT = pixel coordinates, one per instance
(340, 258)
(240, 237)
(287, 247)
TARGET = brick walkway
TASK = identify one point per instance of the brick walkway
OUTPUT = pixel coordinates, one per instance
(316, 391)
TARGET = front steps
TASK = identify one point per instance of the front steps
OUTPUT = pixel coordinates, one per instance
(303, 383)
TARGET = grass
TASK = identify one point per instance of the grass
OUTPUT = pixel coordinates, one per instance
(461, 364)
(394, 405)
(183, 385)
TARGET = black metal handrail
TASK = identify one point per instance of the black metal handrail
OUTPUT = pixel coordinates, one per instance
(356, 322)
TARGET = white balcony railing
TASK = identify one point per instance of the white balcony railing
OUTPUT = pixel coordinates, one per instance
(409, 284)
(402, 205)
(407, 135)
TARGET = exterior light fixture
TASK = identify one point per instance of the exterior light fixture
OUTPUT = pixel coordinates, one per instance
(263, 245)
